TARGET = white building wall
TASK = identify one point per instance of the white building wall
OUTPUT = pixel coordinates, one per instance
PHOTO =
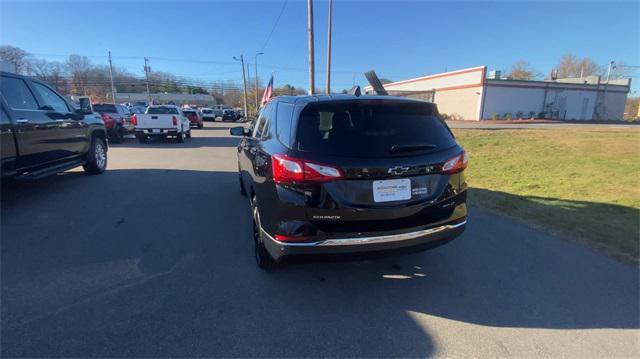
(456, 93)
(577, 102)
(453, 79)
(615, 102)
(500, 100)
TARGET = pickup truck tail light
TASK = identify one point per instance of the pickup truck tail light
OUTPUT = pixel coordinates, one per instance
(174, 119)
(134, 120)
(288, 170)
(456, 164)
(108, 121)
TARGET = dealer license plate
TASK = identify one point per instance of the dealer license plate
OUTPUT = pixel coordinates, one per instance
(392, 190)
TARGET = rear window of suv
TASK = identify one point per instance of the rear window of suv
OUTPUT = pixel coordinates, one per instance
(105, 108)
(162, 111)
(371, 129)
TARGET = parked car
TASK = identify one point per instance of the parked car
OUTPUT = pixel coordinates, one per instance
(350, 175)
(162, 121)
(228, 115)
(208, 114)
(42, 133)
(194, 117)
(137, 109)
(239, 114)
(117, 120)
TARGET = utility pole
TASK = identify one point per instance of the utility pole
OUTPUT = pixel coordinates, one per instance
(113, 89)
(606, 86)
(244, 83)
(147, 69)
(257, 89)
(329, 49)
(312, 81)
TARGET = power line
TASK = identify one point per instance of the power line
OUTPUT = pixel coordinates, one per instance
(274, 25)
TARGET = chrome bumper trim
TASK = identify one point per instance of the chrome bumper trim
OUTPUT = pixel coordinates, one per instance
(369, 240)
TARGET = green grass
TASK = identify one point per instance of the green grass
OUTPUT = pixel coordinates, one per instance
(580, 183)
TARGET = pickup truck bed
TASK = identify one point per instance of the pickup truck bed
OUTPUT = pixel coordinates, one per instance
(162, 121)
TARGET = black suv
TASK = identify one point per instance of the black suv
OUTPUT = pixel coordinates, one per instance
(43, 134)
(350, 175)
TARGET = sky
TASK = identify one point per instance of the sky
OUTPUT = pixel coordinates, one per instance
(399, 39)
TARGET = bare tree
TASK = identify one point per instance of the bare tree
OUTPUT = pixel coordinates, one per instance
(521, 70)
(572, 66)
(16, 56)
(78, 67)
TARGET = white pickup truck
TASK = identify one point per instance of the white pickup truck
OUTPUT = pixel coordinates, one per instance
(162, 121)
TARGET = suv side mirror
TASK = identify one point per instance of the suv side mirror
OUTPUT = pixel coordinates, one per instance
(239, 131)
(85, 106)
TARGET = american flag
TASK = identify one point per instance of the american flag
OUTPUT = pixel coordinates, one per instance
(268, 92)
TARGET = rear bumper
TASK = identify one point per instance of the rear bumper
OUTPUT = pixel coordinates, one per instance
(415, 240)
(161, 132)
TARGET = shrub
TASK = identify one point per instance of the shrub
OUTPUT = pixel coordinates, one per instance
(495, 116)
(519, 115)
(445, 116)
(542, 114)
(532, 114)
(507, 116)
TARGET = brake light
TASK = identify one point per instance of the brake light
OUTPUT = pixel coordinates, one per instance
(288, 169)
(108, 121)
(134, 120)
(174, 119)
(456, 164)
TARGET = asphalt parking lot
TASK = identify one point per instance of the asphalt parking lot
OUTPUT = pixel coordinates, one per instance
(154, 258)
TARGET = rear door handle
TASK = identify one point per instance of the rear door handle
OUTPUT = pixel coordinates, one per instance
(22, 120)
(59, 120)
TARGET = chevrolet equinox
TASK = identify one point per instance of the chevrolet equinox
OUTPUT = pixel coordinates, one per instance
(343, 174)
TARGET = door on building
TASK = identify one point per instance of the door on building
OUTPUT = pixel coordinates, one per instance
(583, 110)
(562, 108)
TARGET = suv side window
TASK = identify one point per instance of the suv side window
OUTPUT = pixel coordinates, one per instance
(257, 132)
(283, 122)
(270, 116)
(50, 98)
(17, 94)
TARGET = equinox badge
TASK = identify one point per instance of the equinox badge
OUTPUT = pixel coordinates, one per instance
(397, 170)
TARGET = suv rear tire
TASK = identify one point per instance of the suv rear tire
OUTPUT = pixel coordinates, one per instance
(262, 256)
(180, 137)
(96, 158)
(142, 138)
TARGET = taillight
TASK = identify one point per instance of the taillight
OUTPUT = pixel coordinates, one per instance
(174, 119)
(108, 121)
(456, 164)
(134, 120)
(287, 169)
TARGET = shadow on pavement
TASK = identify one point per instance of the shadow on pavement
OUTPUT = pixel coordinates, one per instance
(171, 143)
(609, 227)
(159, 263)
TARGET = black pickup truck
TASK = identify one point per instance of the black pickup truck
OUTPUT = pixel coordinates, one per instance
(41, 133)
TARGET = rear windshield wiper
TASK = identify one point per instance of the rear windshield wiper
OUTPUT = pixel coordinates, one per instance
(414, 147)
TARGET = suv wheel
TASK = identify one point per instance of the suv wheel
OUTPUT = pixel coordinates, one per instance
(263, 258)
(180, 137)
(96, 160)
(142, 138)
(189, 134)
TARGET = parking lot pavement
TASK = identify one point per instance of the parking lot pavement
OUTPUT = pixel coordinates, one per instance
(154, 258)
